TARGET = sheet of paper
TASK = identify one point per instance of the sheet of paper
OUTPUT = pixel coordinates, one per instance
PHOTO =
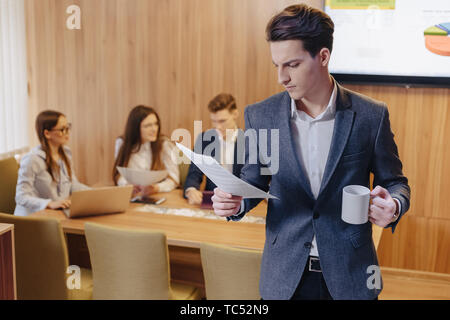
(222, 178)
(142, 177)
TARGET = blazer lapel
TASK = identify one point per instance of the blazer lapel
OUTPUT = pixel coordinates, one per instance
(239, 155)
(288, 155)
(212, 142)
(342, 128)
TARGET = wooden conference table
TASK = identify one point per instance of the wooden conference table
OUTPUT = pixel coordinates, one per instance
(184, 234)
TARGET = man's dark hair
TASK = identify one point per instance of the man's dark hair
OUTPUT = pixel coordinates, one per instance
(301, 22)
(221, 102)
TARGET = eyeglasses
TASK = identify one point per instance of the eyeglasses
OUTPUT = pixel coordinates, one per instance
(150, 125)
(64, 130)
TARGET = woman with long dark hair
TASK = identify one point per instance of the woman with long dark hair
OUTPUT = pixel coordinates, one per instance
(143, 147)
(46, 176)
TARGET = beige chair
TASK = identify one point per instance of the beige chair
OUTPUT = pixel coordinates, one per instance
(132, 264)
(230, 273)
(8, 179)
(42, 260)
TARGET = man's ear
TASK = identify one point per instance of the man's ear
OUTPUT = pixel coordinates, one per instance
(324, 56)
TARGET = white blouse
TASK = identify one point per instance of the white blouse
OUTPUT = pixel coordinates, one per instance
(142, 160)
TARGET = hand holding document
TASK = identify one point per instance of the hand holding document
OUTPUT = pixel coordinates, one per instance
(142, 177)
(222, 178)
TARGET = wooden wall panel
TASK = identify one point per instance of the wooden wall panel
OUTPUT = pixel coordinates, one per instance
(420, 120)
(419, 243)
(176, 55)
(173, 55)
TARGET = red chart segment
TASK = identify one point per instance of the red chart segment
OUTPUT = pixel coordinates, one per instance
(437, 39)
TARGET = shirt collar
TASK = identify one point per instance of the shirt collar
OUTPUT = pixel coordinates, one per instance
(41, 153)
(233, 136)
(329, 111)
(38, 151)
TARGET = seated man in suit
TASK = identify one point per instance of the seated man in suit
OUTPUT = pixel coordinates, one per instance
(220, 143)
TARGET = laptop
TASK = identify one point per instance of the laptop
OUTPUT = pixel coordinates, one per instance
(99, 201)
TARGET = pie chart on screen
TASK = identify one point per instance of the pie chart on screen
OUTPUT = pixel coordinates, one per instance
(437, 39)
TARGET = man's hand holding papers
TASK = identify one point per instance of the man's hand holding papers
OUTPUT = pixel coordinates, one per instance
(225, 204)
(230, 189)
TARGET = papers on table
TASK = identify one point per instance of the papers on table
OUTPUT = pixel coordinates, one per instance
(196, 213)
(222, 178)
(142, 177)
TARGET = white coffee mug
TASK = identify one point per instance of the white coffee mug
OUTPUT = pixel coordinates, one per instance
(355, 204)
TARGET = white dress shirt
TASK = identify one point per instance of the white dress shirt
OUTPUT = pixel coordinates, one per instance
(227, 149)
(312, 141)
(143, 160)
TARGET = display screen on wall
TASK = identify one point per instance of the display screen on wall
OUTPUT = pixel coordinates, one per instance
(391, 41)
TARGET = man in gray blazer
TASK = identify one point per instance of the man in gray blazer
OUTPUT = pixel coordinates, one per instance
(329, 137)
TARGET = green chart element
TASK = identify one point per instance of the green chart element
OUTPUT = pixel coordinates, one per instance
(434, 31)
(361, 4)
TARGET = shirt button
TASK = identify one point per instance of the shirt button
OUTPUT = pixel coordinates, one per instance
(308, 245)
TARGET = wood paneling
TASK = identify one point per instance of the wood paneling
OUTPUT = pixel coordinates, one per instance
(176, 55)
(418, 243)
(420, 120)
(399, 284)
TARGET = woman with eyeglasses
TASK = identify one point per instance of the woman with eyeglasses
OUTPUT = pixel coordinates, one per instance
(46, 176)
(143, 147)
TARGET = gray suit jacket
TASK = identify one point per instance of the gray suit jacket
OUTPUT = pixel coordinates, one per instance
(362, 143)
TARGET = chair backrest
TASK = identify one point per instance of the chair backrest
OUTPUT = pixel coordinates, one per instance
(8, 176)
(128, 264)
(230, 273)
(41, 257)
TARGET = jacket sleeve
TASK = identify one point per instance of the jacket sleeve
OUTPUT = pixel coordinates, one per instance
(387, 167)
(195, 175)
(251, 172)
(26, 194)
